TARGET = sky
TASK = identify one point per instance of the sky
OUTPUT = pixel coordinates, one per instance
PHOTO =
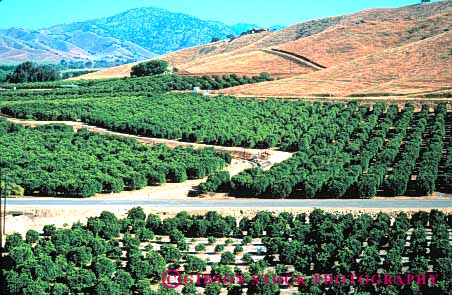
(36, 14)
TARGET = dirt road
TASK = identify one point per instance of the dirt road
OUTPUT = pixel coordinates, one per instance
(274, 155)
(175, 190)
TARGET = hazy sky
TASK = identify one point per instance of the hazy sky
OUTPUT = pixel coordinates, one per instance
(35, 14)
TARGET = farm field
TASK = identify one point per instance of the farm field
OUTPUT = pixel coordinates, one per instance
(340, 150)
(299, 151)
(52, 160)
(136, 85)
(131, 254)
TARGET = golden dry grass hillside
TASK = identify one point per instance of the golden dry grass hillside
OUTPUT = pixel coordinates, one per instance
(345, 42)
(341, 44)
(422, 66)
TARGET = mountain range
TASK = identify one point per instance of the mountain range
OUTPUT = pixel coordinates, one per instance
(133, 35)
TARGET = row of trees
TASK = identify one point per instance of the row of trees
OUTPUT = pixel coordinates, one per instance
(325, 156)
(447, 177)
(355, 161)
(425, 182)
(343, 150)
(396, 183)
(445, 171)
(369, 183)
(32, 72)
(117, 256)
(53, 160)
(142, 85)
(226, 121)
(341, 244)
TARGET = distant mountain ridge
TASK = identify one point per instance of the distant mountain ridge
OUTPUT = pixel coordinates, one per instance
(136, 34)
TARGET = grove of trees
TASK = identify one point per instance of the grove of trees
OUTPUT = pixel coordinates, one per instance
(223, 121)
(52, 160)
(149, 68)
(341, 150)
(135, 86)
(108, 255)
(5, 70)
(357, 155)
(32, 72)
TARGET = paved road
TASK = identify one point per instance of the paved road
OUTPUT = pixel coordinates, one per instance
(234, 203)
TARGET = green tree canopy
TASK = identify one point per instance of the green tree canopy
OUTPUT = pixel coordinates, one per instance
(150, 68)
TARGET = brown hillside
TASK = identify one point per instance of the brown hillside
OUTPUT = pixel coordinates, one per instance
(418, 67)
(326, 42)
(343, 43)
(254, 63)
(184, 56)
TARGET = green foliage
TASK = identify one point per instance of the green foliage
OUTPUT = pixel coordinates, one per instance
(80, 256)
(144, 287)
(80, 279)
(60, 162)
(48, 229)
(219, 248)
(342, 150)
(238, 249)
(103, 267)
(246, 240)
(247, 258)
(13, 240)
(227, 258)
(31, 236)
(124, 280)
(81, 260)
(213, 289)
(200, 248)
(217, 182)
(60, 289)
(153, 222)
(265, 289)
(31, 72)
(189, 289)
(194, 264)
(125, 86)
(5, 71)
(170, 253)
(136, 213)
(150, 68)
(12, 189)
(157, 264)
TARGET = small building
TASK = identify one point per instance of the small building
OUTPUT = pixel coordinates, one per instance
(257, 30)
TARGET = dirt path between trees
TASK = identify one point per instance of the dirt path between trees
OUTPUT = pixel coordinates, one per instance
(241, 160)
(274, 155)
